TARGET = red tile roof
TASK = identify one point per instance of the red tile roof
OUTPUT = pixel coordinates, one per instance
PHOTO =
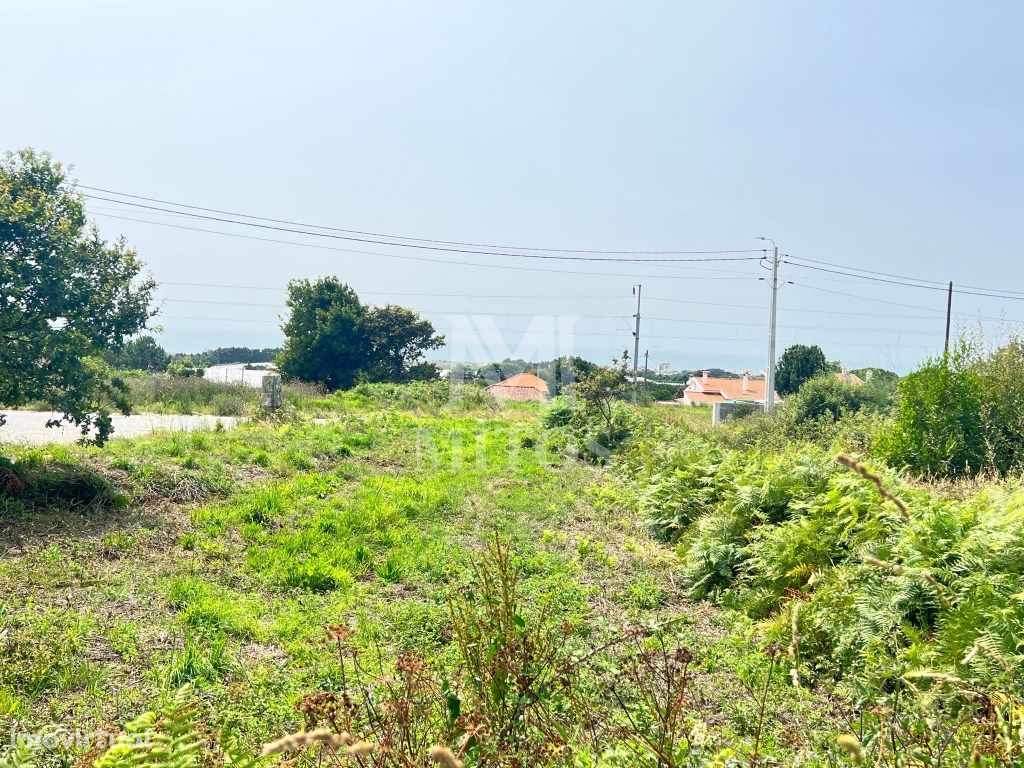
(522, 386)
(730, 389)
(849, 378)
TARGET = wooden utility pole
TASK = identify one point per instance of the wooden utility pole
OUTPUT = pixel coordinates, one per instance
(647, 354)
(636, 332)
(949, 317)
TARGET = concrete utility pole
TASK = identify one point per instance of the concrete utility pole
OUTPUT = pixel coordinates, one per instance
(949, 316)
(769, 374)
(636, 333)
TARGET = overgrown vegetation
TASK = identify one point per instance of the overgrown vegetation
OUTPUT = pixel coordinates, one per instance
(415, 574)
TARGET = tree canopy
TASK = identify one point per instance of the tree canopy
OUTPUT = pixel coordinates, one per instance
(66, 296)
(798, 364)
(142, 353)
(333, 339)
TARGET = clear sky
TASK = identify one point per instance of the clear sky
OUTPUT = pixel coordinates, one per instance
(882, 136)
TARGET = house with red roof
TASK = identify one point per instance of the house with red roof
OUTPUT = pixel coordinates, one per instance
(522, 386)
(707, 390)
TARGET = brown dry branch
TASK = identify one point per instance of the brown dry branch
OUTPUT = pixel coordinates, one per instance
(867, 474)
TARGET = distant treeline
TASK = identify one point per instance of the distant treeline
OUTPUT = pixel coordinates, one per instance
(145, 354)
(223, 355)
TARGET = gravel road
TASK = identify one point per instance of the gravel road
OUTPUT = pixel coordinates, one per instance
(29, 427)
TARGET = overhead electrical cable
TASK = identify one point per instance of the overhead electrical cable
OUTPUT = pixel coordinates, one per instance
(406, 237)
(445, 248)
(990, 293)
(320, 246)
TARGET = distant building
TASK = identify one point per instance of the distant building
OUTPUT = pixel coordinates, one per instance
(665, 369)
(522, 386)
(849, 378)
(707, 390)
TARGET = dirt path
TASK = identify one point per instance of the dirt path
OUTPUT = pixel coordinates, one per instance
(29, 427)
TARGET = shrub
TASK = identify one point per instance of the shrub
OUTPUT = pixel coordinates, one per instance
(960, 415)
(185, 368)
(558, 413)
(824, 396)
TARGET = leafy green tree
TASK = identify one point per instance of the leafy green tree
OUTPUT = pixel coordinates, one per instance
(599, 390)
(396, 339)
(798, 364)
(142, 353)
(66, 297)
(332, 339)
(324, 340)
(224, 355)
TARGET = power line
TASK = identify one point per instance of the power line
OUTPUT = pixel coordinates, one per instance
(941, 283)
(444, 248)
(397, 237)
(941, 287)
(688, 321)
(320, 246)
(585, 333)
(990, 318)
(575, 297)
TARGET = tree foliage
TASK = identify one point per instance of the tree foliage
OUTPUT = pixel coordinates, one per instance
(798, 364)
(961, 415)
(226, 355)
(142, 353)
(396, 338)
(66, 296)
(186, 367)
(332, 339)
(599, 390)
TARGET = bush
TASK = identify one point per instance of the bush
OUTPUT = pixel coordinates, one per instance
(558, 413)
(961, 415)
(857, 587)
(185, 368)
(824, 396)
(826, 412)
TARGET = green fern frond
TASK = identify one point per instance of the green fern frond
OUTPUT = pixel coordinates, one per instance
(167, 738)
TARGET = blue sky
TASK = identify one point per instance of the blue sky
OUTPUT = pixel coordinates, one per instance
(874, 135)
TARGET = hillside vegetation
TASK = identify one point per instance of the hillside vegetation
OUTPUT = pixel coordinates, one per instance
(432, 578)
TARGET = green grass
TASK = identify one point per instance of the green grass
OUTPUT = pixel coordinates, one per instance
(216, 559)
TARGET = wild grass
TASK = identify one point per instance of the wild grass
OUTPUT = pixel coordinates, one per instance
(465, 554)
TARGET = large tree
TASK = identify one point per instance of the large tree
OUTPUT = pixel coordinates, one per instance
(798, 364)
(66, 296)
(397, 338)
(332, 339)
(324, 340)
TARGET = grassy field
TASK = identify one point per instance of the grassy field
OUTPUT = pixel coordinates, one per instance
(216, 560)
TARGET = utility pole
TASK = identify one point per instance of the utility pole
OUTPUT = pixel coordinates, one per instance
(647, 354)
(769, 374)
(949, 316)
(636, 332)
